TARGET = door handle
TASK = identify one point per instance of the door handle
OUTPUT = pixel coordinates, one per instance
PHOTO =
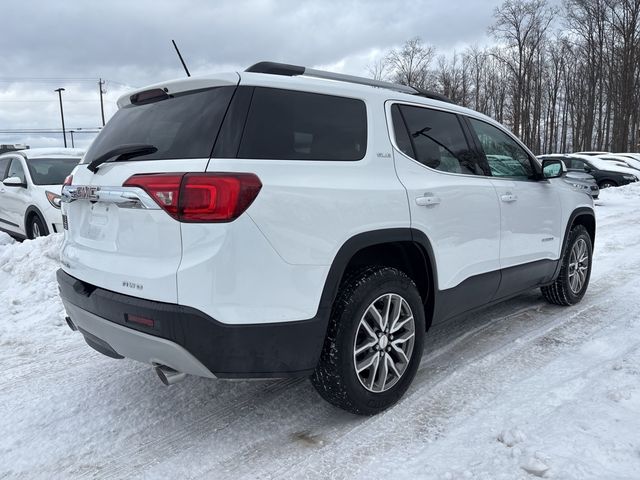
(508, 197)
(426, 200)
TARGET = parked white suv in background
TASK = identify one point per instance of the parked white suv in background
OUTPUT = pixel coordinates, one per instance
(30, 190)
(288, 222)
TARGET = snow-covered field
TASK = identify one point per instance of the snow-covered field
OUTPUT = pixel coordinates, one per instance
(518, 390)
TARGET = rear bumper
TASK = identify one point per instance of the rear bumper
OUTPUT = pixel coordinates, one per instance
(188, 340)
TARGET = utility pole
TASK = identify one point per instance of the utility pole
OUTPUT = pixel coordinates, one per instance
(100, 84)
(64, 133)
(73, 145)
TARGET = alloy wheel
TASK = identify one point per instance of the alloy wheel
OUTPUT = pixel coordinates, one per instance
(578, 265)
(384, 343)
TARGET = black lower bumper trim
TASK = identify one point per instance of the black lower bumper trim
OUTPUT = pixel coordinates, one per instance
(270, 350)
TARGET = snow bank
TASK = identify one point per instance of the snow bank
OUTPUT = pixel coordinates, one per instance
(5, 239)
(30, 308)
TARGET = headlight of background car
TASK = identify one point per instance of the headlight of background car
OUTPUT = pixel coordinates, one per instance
(631, 178)
(54, 199)
(579, 186)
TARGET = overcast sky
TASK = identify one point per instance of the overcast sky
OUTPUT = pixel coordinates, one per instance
(49, 44)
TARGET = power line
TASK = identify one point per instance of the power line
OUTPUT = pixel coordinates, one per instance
(11, 131)
(53, 100)
(56, 80)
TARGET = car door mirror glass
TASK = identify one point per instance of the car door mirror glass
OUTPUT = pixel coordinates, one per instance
(553, 168)
(13, 182)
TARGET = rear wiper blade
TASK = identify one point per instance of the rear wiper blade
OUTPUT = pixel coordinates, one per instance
(122, 153)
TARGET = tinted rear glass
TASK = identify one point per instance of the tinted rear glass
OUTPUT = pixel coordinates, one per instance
(184, 126)
(290, 125)
(50, 171)
(438, 141)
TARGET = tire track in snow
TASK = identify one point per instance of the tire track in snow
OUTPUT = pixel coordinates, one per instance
(449, 391)
(442, 366)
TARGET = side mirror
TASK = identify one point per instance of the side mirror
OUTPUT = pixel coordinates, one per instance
(14, 182)
(553, 168)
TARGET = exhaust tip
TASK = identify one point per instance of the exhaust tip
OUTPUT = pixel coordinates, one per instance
(168, 375)
(70, 324)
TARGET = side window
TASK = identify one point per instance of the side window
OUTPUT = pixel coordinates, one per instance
(505, 157)
(291, 125)
(4, 164)
(16, 170)
(400, 132)
(437, 140)
(577, 164)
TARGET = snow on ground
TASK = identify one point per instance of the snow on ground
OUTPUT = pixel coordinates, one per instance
(520, 390)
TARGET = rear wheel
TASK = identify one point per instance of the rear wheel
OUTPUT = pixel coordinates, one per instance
(36, 227)
(573, 280)
(374, 341)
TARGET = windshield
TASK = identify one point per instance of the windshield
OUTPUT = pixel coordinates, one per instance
(50, 171)
(184, 126)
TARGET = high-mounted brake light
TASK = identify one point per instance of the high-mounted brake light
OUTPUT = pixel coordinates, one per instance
(200, 197)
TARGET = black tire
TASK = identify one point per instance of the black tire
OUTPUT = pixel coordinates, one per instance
(560, 291)
(335, 377)
(607, 184)
(36, 225)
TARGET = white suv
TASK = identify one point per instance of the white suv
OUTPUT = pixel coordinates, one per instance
(30, 189)
(288, 222)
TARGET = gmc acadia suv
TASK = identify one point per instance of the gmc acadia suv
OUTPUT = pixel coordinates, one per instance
(289, 222)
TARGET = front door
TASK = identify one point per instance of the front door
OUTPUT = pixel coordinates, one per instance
(530, 210)
(15, 198)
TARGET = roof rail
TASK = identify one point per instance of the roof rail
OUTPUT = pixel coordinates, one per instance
(285, 69)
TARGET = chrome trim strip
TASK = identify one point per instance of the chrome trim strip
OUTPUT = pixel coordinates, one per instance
(123, 197)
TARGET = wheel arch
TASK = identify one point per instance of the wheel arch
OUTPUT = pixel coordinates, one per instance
(30, 212)
(404, 248)
(584, 216)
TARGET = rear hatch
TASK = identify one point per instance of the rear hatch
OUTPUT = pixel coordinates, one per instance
(117, 236)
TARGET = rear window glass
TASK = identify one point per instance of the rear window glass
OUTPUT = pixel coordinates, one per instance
(183, 126)
(50, 171)
(436, 139)
(290, 125)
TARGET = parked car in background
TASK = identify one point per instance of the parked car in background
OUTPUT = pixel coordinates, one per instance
(583, 181)
(621, 160)
(30, 189)
(606, 174)
(634, 156)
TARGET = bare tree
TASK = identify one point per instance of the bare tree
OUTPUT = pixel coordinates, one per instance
(410, 63)
(379, 69)
(522, 25)
(574, 90)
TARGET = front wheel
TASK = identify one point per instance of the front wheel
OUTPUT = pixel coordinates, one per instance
(607, 184)
(575, 272)
(36, 227)
(374, 341)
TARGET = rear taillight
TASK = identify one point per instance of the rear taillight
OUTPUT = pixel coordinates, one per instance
(162, 187)
(200, 197)
(68, 181)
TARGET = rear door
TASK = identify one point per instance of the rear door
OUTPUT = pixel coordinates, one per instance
(118, 237)
(450, 200)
